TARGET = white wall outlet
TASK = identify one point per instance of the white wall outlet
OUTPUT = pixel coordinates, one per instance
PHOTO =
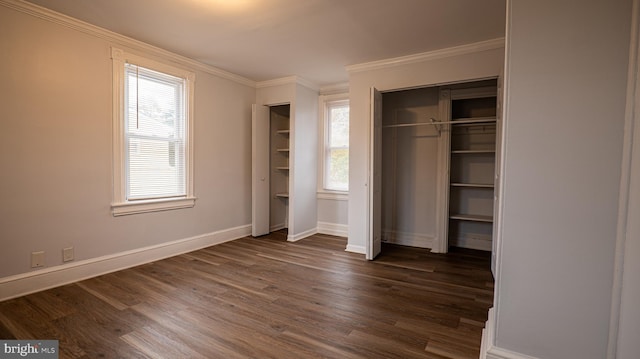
(67, 254)
(37, 259)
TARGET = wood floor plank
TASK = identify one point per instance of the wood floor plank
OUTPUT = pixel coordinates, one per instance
(156, 345)
(268, 298)
(92, 339)
(381, 347)
(5, 333)
(323, 348)
(24, 320)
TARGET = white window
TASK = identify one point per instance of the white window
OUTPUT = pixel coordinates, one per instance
(152, 135)
(336, 146)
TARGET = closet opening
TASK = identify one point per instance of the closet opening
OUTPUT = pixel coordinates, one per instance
(270, 167)
(279, 154)
(438, 166)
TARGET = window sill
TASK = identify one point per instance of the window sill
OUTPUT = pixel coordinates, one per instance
(123, 209)
(333, 195)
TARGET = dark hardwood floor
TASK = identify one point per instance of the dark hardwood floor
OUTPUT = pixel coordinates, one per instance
(268, 298)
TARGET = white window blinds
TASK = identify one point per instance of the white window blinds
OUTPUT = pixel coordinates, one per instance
(337, 147)
(154, 134)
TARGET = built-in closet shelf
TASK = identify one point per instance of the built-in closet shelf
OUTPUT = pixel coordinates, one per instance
(471, 152)
(472, 185)
(471, 217)
(282, 195)
(284, 150)
(282, 168)
(472, 120)
(471, 131)
(284, 132)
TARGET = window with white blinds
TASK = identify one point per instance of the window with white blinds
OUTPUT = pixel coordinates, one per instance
(154, 134)
(152, 127)
(336, 146)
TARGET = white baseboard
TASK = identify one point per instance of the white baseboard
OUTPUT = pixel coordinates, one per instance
(299, 236)
(499, 353)
(26, 283)
(487, 348)
(408, 239)
(334, 229)
(488, 334)
(355, 249)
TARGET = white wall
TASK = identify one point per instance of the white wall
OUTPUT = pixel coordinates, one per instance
(276, 93)
(473, 63)
(565, 85)
(55, 162)
(305, 171)
(333, 211)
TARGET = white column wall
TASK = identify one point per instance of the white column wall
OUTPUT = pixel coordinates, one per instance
(566, 86)
(305, 166)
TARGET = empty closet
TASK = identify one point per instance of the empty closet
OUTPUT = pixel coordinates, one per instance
(439, 166)
(279, 152)
(271, 153)
(409, 167)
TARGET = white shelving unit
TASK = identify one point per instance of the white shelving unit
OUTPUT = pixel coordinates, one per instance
(472, 168)
(280, 156)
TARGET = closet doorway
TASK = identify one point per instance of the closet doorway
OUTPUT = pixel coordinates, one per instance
(270, 168)
(433, 158)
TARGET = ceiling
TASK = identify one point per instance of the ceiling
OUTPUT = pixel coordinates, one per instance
(314, 39)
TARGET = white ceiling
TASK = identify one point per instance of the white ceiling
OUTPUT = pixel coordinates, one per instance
(314, 39)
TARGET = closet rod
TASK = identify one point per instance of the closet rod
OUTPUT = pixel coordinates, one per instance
(410, 124)
(434, 122)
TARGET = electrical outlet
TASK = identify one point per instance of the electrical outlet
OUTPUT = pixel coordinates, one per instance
(37, 259)
(67, 254)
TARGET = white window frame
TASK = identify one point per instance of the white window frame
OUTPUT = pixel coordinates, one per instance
(120, 205)
(326, 101)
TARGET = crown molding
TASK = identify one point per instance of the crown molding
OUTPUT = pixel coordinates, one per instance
(110, 36)
(333, 89)
(308, 84)
(276, 82)
(288, 81)
(427, 56)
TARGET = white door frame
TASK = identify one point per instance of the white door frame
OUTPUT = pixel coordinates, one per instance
(374, 232)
